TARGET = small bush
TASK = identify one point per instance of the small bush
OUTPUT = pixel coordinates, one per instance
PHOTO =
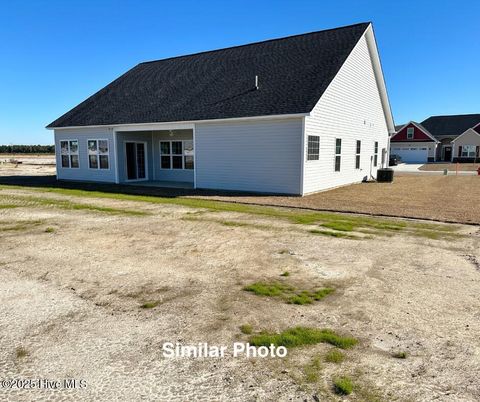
(246, 329)
(286, 273)
(49, 230)
(299, 336)
(334, 356)
(343, 386)
(151, 304)
(399, 355)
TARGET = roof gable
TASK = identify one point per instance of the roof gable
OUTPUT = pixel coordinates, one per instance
(469, 131)
(420, 133)
(293, 74)
(453, 125)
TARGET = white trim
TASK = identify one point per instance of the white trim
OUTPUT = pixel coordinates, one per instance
(194, 160)
(465, 132)
(423, 130)
(153, 157)
(379, 77)
(115, 155)
(178, 125)
(125, 159)
(98, 154)
(303, 159)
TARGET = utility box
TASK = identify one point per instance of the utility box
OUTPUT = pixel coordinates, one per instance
(385, 175)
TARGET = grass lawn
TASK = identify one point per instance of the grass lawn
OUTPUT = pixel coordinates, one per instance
(452, 167)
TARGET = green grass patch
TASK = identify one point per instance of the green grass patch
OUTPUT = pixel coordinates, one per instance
(8, 206)
(285, 274)
(8, 226)
(35, 201)
(288, 293)
(150, 304)
(338, 223)
(333, 234)
(335, 356)
(399, 355)
(299, 336)
(268, 289)
(343, 386)
(50, 230)
(312, 370)
(246, 329)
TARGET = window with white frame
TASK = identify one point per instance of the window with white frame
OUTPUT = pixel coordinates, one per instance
(176, 154)
(375, 154)
(98, 157)
(469, 151)
(357, 154)
(410, 132)
(338, 154)
(69, 153)
(313, 150)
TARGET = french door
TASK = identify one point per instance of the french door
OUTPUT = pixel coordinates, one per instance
(136, 160)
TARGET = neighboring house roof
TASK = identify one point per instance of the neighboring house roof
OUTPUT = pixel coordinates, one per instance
(469, 131)
(293, 73)
(401, 134)
(450, 125)
(399, 127)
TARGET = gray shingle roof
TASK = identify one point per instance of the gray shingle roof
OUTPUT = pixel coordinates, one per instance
(453, 125)
(293, 74)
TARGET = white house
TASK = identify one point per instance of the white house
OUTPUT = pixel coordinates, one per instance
(293, 116)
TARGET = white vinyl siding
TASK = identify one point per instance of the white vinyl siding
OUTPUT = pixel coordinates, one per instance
(350, 109)
(262, 156)
(83, 172)
(470, 137)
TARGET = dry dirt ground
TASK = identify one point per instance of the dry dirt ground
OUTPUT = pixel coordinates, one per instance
(444, 198)
(72, 282)
(452, 167)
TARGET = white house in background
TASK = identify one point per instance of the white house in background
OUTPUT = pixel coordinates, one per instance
(293, 116)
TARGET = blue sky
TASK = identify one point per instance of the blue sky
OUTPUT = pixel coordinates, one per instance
(54, 54)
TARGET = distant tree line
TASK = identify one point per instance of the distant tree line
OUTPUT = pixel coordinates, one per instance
(27, 149)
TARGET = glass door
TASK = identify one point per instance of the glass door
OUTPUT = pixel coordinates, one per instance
(135, 160)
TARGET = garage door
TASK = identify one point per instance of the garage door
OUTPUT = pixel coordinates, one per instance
(412, 155)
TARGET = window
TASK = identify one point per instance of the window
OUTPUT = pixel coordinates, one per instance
(69, 154)
(98, 157)
(176, 154)
(410, 131)
(375, 156)
(313, 148)
(338, 154)
(469, 151)
(357, 156)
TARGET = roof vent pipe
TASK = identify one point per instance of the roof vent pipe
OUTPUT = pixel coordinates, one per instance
(256, 82)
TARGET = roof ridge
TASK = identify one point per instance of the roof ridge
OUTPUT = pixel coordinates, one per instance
(452, 115)
(255, 43)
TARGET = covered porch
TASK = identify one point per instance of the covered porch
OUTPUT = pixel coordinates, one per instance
(156, 158)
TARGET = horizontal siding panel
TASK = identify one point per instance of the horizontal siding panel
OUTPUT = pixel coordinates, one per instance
(250, 156)
(84, 173)
(350, 109)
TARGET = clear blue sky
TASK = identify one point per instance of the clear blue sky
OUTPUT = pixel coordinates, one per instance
(54, 54)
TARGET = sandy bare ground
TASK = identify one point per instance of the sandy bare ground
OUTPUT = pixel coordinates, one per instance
(29, 159)
(70, 305)
(452, 167)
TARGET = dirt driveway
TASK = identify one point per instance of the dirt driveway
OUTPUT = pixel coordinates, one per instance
(75, 273)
